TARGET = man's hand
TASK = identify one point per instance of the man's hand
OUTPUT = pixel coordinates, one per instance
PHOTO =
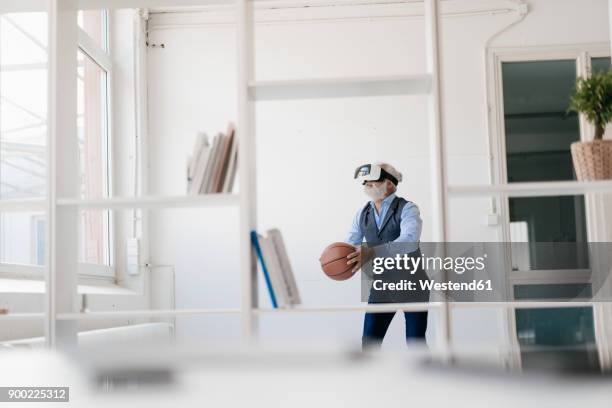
(358, 257)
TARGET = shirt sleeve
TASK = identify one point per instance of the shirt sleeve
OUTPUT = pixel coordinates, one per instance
(410, 232)
(410, 224)
(355, 235)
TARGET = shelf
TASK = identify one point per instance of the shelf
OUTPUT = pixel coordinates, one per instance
(23, 205)
(525, 304)
(340, 87)
(533, 189)
(202, 200)
(415, 307)
(148, 4)
(378, 308)
(372, 308)
(22, 316)
(118, 314)
(118, 203)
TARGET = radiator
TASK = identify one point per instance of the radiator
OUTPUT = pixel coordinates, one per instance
(157, 333)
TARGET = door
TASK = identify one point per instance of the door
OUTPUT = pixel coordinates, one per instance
(550, 259)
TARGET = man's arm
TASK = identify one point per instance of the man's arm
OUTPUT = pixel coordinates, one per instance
(411, 224)
(410, 231)
(355, 235)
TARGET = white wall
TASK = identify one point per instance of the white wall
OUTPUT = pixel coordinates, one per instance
(192, 88)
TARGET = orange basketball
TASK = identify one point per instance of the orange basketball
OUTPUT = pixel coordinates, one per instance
(333, 261)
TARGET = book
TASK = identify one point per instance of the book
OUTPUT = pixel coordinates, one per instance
(232, 181)
(197, 148)
(200, 161)
(262, 262)
(274, 270)
(290, 285)
(210, 165)
(227, 154)
(232, 168)
(215, 168)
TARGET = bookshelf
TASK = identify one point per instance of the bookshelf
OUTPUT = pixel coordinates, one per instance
(533, 189)
(373, 308)
(154, 202)
(22, 317)
(61, 203)
(340, 87)
(133, 314)
(30, 204)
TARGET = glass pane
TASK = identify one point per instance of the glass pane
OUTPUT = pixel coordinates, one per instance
(91, 127)
(556, 220)
(577, 291)
(23, 105)
(560, 339)
(92, 120)
(23, 116)
(93, 22)
(539, 132)
(22, 238)
(600, 64)
(24, 39)
(94, 233)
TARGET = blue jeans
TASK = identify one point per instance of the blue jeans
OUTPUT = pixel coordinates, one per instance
(375, 327)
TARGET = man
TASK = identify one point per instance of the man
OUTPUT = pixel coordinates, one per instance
(386, 218)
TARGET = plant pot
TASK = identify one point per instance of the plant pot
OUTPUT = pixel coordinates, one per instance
(592, 160)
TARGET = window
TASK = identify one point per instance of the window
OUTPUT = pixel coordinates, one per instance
(92, 120)
(23, 108)
(93, 83)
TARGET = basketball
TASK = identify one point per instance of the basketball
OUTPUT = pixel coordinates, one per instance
(333, 261)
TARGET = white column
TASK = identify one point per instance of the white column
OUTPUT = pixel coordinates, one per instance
(141, 153)
(62, 174)
(246, 163)
(437, 156)
(610, 20)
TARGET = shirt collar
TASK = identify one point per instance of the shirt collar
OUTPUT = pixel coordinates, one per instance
(385, 202)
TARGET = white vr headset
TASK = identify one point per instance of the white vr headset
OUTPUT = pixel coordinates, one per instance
(373, 172)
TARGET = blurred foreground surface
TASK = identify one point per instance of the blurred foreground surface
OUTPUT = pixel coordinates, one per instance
(296, 377)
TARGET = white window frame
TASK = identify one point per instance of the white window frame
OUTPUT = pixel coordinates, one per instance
(88, 273)
(594, 209)
(101, 57)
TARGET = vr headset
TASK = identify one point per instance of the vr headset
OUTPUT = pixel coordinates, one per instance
(373, 172)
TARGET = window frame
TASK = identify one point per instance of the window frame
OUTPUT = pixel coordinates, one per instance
(102, 58)
(88, 273)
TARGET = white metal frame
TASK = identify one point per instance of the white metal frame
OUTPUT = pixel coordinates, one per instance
(62, 202)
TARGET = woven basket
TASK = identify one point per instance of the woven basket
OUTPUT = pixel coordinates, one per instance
(592, 160)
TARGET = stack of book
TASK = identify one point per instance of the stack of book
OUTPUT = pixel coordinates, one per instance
(213, 164)
(276, 268)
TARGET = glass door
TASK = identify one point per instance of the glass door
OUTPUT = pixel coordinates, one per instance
(549, 234)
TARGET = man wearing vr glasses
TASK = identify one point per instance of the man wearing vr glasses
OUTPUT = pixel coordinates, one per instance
(386, 218)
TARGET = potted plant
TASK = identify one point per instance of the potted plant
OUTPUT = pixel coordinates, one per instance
(593, 98)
